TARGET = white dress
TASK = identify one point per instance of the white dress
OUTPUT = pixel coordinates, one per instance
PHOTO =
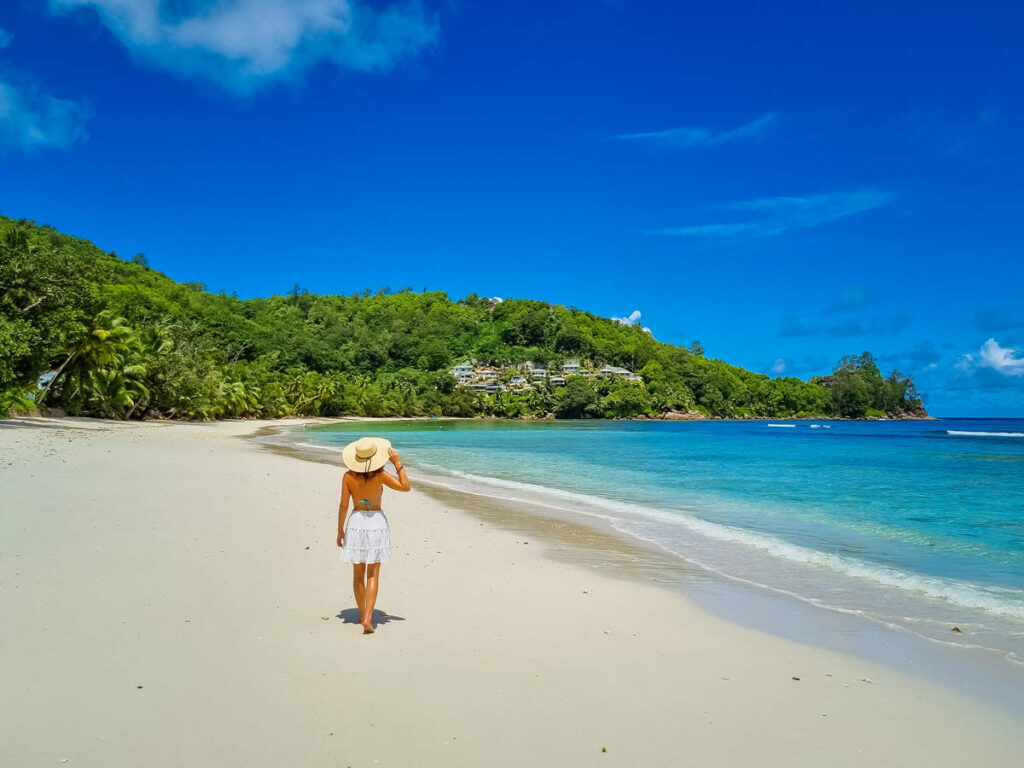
(367, 537)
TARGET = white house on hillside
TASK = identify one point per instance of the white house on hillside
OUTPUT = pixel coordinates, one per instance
(488, 374)
(463, 372)
(571, 367)
(614, 370)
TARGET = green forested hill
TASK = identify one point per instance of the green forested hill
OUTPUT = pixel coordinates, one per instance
(114, 338)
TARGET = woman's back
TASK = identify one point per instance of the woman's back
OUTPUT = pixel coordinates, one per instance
(366, 489)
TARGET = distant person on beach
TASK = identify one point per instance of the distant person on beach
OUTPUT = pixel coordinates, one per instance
(364, 536)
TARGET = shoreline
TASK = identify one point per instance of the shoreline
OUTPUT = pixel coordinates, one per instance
(984, 673)
(175, 597)
(670, 416)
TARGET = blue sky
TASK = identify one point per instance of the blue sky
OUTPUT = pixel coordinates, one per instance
(785, 184)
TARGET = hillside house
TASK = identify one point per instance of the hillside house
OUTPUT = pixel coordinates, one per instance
(463, 372)
(623, 373)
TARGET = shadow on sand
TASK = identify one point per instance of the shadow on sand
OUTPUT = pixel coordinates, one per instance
(380, 618)
(43, 422)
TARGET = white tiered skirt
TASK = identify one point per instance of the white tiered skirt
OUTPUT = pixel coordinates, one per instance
(367, 538)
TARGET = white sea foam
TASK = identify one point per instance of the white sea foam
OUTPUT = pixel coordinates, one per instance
(784, 426)
(994, 600)
(322, 447)
(964, 433)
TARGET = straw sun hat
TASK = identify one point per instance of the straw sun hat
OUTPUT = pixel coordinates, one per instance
(367, 454)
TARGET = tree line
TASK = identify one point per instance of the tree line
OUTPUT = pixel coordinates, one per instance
(94, 334)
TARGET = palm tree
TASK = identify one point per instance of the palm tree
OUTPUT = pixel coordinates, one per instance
(112, 391)
(106, 345)
(157, 339)
(309, 391)
(538, 401)
(236, 398)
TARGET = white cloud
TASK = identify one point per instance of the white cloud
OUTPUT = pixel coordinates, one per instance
(774, 215)
(965, 363)
(697, 136)
(31, 119)
(632, 319)
(779, 366)
(245, 45)
(1001, 359)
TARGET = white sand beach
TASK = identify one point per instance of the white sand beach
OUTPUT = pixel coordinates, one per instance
(172, 596)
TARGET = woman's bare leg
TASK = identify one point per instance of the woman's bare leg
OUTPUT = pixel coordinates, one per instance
(370, 596)
(359, 586)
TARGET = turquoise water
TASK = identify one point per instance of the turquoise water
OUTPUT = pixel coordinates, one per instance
(919, 525)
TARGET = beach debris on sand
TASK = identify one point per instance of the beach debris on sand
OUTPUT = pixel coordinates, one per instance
(957, 630)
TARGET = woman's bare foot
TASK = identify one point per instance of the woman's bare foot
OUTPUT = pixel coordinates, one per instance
(367, 627)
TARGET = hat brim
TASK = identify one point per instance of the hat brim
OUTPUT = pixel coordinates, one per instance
(378, 460)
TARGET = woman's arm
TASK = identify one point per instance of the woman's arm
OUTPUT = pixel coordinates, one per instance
(400, 483)
(343, 509)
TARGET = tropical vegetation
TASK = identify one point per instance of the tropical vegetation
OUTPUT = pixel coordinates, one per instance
(95, 334)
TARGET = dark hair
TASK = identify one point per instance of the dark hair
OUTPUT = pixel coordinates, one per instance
(368, 475)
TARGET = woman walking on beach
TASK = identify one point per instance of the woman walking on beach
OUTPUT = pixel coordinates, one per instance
(364, 537)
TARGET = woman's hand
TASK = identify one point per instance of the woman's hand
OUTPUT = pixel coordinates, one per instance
(341, 538)
(395, 458)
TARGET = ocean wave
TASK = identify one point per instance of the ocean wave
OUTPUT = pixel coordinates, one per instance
(789, 426)
(964, 433)
(994, 600)
(322, 447)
